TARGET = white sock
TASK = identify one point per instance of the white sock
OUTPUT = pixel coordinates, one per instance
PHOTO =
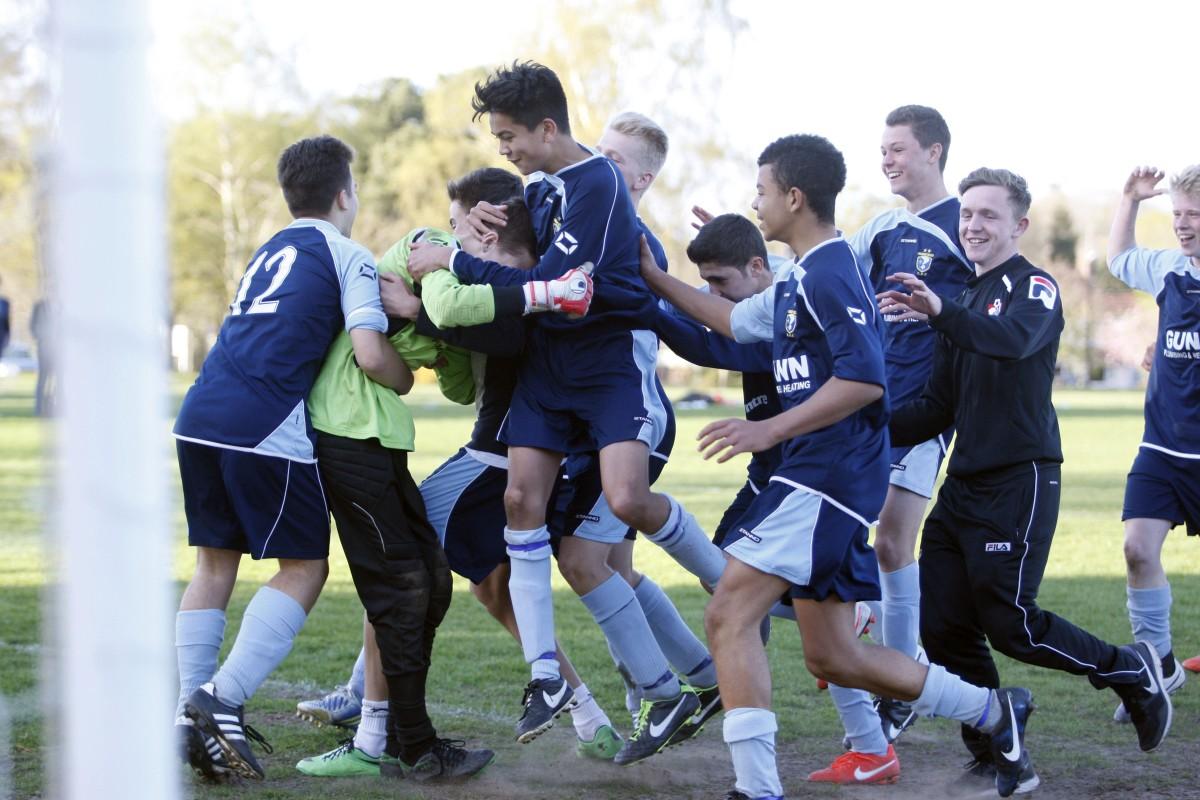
(1150, 616)
(371, 735)
(198, 636)
(685, 542)
(901, 608)
(750, 734)
(532, 600)
(949, 696)
(587, 716)
(269, 626)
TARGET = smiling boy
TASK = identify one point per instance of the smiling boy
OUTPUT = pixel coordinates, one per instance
(1162, 489)
(988, 537)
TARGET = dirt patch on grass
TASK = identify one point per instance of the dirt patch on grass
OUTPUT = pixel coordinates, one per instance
(930, 754)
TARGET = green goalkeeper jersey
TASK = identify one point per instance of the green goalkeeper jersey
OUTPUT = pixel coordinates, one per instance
(345, 402)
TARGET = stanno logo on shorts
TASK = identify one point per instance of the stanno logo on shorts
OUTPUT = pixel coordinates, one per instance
(587, 517)
(643, 420)
(997, 547)
(750, 536)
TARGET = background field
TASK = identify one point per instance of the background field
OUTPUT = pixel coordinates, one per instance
(478, 673)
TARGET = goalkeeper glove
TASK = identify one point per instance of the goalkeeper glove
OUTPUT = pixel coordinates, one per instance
(570, 293)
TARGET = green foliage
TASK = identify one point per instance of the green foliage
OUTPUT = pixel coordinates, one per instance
(22, 127)
(224, 202)
(1063, 238)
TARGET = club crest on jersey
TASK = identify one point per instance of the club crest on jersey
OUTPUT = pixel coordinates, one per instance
(995, 307)
(789, 323)
(1043, 289)
(924, 261)
(857, 314)
(566, 242)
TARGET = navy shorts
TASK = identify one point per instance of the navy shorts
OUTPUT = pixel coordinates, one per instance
(1161, 486)
(578, 506)
(266, 506)
(799, 535)
(586, 396)
(737, 509)
(464, 501)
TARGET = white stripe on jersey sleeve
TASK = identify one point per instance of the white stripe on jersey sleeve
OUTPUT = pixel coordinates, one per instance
(359, 281)
(753, 319)
(888, 220)
(1146, 270)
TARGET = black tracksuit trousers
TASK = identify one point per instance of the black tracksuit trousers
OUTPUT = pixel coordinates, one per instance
(983, 553)
(399, 571)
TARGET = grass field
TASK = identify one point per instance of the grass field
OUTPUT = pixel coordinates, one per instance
(478, 673)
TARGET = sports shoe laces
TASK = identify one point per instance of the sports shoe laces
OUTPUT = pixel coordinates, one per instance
(451, 752)
(256, 737)
(643, 718)
(342, 749)
(526, 696)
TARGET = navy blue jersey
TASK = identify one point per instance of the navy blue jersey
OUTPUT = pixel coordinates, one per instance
(900, 241)
(823, 323)
(581, 213)
(695, 343)
(1173, 392)
(300, 289)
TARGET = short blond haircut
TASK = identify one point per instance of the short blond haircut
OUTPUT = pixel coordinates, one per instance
(1187, 181)
(650, 133)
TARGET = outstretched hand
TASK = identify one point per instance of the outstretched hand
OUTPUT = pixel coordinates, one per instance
(1142, 182)
(702, 215)
(920, 304)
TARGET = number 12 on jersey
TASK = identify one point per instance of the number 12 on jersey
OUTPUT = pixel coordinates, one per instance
(281, 262)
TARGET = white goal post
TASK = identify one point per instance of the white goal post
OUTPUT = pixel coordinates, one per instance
(108, 690)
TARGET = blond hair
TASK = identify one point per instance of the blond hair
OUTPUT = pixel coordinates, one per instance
(1187, 181)
(648, 132)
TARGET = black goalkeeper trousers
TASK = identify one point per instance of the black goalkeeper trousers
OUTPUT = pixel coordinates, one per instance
(399, 570)
(983, 553)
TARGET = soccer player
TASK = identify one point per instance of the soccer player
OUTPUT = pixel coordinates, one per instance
(465, 495)
(733, 262)
(399, 567)
(247, 449)
(1163, 487)
(584, 385)
(638, 147)
(986, 542)
(922, 238)
(806, 533)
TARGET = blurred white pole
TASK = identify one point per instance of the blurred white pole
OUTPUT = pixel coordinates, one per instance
(106, 240)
